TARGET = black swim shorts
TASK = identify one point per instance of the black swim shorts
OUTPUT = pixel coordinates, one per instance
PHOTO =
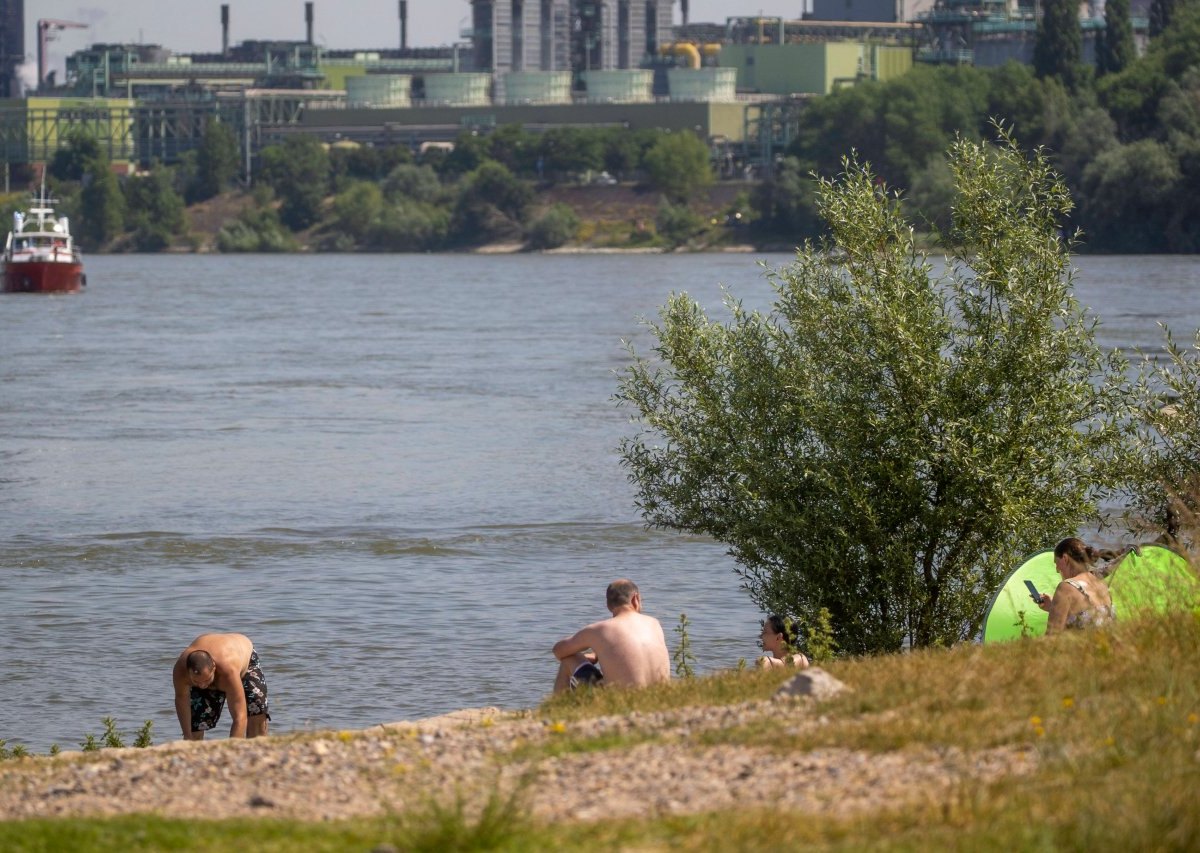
(208, 703)
(587, 675)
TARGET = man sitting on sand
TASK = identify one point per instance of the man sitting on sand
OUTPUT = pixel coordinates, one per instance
(213, 669)
(628, 650)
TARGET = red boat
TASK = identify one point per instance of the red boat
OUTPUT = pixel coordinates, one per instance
(39, 255)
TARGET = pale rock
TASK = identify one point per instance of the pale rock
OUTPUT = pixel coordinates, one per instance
(814, 682)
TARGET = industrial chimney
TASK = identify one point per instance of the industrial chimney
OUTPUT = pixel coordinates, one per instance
(404, 24)
(224, 29)
(683, 8)
(308, 19)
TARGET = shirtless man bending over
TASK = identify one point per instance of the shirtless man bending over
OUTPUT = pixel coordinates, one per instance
(628, 650)
(213, 669)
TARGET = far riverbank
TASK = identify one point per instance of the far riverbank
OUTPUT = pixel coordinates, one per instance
(610, 219)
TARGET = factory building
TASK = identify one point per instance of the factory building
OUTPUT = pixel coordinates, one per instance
(878, 11)
(567, 35)
(989, 33)
(540, 63)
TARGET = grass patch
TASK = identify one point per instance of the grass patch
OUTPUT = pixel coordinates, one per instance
(151, 833)
(723, 688)
(498, 823)
(582, 741)
(1139, 677)
(1113, 717)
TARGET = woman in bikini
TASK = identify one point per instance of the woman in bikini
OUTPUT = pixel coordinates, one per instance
(778, 639)
(1082, 599)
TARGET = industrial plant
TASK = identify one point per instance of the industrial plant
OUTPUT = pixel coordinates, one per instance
(620, 63)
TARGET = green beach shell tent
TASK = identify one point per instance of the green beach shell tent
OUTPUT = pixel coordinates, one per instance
(1150, 579)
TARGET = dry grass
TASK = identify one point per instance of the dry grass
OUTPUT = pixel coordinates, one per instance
(1113, 717)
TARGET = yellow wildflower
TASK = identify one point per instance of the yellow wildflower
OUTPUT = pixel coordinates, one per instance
(1039, 731)
(345, 736)
(558, 727)
(1110, 741)
(1068, 702)
(1193, 718)
(1162, 700)
(1035, 721)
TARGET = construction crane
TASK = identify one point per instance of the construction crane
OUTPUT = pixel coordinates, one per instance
(46, 30)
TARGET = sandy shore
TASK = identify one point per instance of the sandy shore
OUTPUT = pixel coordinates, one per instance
(471, 753)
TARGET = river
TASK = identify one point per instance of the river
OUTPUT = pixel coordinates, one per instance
(396, 473)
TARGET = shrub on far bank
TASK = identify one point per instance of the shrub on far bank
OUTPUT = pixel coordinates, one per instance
(553, 228)
(410, 227)
(676, 223)
(410, 182)
(678, 166)
(256, 231)
(492, 205)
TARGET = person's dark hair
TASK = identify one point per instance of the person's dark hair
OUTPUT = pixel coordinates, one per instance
(200, 661)
(1084, 555)
(621, 592)
(780, 626)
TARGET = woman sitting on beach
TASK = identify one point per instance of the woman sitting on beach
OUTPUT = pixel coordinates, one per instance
(779, 640)
(1081, 599)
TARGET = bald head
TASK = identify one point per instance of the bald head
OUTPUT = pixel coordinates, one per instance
(200, 662)
(620, 593)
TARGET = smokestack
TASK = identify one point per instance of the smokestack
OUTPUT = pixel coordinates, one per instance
(224, 29)
(404, 24)
(308, 18)
(42, 26)
(683, 8)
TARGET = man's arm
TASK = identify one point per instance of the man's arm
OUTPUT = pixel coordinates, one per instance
(235, 698)
(183, 700)
(580, 641)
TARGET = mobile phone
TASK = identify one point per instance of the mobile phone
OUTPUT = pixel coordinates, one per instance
(1033, 591)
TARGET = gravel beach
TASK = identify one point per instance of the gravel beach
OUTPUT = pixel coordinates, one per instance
(668, 769)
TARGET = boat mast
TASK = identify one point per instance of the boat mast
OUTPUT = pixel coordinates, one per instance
(42, 208)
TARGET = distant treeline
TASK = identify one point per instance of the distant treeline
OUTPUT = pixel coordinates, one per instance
(1127, 142)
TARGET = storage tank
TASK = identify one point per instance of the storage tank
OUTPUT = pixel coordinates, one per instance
(625, 86)
(702, 84)
(537, 87)
(379, 90)
(457, 90)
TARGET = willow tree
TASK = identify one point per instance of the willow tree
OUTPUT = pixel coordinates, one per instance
(887, 441)
(1165, 476)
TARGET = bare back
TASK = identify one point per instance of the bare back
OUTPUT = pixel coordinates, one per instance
(631, 649)
(230, 652)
